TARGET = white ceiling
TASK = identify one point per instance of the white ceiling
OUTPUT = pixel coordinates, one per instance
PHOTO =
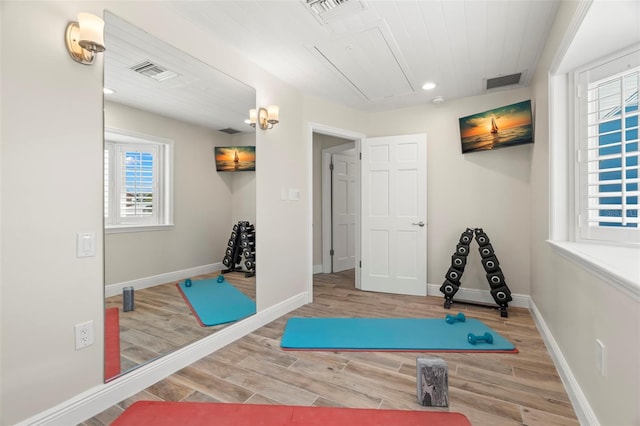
(198, 93)
(375, 55)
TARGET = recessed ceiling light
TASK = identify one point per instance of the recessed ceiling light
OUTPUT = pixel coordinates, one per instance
(429, 85)
(108, 91)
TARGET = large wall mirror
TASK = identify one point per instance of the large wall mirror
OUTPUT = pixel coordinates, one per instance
(168, 213)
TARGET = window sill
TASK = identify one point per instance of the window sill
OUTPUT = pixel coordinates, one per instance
(616, 265)
(121, 229)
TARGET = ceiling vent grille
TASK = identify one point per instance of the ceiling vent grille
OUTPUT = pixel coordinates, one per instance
(229, 131)
(328, 11)
(149, 69)
(505, 80)
(321, 6)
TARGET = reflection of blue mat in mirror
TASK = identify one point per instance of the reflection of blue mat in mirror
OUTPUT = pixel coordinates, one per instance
(215, 303)
(389, 334)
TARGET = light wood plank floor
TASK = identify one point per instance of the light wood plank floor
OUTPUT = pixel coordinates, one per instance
(162, 322)
(490, 389)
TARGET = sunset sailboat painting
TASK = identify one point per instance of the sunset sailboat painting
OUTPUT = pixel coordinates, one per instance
(235, 158)
(502, 127)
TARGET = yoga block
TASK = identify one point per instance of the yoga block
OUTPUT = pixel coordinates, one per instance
(432, 382)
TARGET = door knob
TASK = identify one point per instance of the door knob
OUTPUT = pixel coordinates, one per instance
(421, 223)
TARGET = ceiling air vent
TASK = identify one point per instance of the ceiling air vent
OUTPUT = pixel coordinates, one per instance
(321, 6)
(505, 80)
(229, 131)
(154, 71)
(327, 11)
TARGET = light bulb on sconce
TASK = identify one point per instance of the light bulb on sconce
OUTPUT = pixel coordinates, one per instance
(85, 38)
(266, 118)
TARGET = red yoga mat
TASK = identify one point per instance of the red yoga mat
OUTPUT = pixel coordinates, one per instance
(111, 343)
(161, 413)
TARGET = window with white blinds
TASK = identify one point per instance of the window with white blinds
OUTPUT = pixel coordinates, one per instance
(608, 151)
(135, 182)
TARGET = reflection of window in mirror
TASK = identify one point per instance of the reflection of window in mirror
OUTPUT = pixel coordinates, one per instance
(136, 181)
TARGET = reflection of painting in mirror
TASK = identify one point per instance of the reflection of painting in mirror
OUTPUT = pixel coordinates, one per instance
(235, 158)
(162, 93)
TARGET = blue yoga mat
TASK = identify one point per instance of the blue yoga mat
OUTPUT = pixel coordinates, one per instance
(390, 334)
(214, 302)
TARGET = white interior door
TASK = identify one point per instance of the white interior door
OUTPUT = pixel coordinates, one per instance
(394, 209)
(343, 211)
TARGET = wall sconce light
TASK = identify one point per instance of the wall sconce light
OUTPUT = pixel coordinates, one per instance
(85, 38)
(266, 118)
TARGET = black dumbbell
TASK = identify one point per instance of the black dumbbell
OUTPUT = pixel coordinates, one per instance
(466, 237)
(462, 249)
(501, 295)
(481, 238)
(486, 337)
(496, 278)
(453, 275)
(449, 288)
(450, 319)
(486, 251)
(490, 264)
(458, 262)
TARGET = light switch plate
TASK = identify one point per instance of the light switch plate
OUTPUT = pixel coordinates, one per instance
(86, 244)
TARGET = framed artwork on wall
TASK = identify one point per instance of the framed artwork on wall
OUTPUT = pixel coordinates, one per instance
(235, 158)
(502, 127)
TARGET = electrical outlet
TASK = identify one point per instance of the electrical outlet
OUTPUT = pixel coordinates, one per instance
(601, 358)
(84, 334)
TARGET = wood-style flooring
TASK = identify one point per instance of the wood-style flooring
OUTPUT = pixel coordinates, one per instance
(490, 389)
(162, 322)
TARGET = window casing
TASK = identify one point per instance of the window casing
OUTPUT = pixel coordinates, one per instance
(607, 150)
(137, 181)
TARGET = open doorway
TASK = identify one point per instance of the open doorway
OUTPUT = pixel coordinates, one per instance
(335, 201)
(391, 207)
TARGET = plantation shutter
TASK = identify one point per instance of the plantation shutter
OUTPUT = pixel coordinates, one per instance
(609, 151)
(107, 186)
(138, 193)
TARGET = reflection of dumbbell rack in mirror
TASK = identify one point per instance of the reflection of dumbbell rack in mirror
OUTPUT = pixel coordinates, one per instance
(242, 243)
(499, 290)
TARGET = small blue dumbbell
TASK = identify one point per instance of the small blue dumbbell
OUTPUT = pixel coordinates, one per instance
(486, 337)
(220, 278)
(187, 282)
(450, 319)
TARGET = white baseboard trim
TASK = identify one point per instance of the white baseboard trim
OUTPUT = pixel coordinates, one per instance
(138, 284)
(317, 269)
(101, 397)
(581, 405)
(479, 296)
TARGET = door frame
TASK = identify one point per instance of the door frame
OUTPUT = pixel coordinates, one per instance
(341, 133)
(327, 201)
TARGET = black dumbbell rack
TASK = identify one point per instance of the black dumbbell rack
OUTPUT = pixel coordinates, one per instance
(499, 290)
(242, 243)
